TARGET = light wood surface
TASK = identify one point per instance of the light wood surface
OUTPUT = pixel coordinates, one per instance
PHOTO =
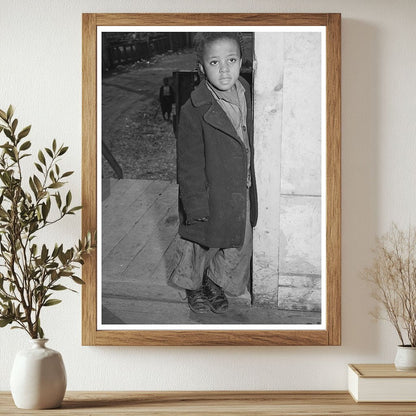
(380, 371)
(329, 336)
(212, 403)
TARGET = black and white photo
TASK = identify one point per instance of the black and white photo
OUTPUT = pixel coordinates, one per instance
(212, 191)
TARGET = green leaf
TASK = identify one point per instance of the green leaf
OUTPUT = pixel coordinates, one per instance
(60, 249)
(33, 187)
(55, 251)
(43, 194)
(5, 321)
(76, 208)
(54, 145)
(25, 145)
(76, 279)
(59, 287)
(62, 257)
(51, 302)
(33, 227)
(68, 199)
(14, 125)
(45, 211)
(8, 133)
(34, 249)
(41, 157)
(56, 185)
(24, 132)
(49, 152)
(37, 183)
(67, 174)
(3, 115)
(58, 199)
(40, 332)
(10, 112)
(44, 253)
(39, 167)
(63, 151)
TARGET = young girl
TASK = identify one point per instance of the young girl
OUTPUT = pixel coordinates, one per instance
(217, 192)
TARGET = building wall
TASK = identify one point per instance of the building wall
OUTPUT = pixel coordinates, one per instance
(268, 124)
(41, 75)
(287, 136)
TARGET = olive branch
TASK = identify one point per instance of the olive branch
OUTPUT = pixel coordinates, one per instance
(30, 273)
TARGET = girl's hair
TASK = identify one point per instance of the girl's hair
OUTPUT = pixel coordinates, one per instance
(203, 38)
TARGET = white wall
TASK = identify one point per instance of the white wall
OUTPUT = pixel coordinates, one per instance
(40, 73)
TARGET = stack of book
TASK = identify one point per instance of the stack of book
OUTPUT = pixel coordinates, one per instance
(381, 383)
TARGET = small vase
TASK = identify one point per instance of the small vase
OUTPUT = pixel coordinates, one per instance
(405, 358)
(38, 377)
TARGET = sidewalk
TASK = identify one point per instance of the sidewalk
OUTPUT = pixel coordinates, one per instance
(140, 228)
(132, 125)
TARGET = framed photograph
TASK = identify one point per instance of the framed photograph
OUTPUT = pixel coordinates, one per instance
(211, 172)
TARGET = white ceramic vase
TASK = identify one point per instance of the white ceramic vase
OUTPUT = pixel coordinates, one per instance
(405, 358)
(38, 377)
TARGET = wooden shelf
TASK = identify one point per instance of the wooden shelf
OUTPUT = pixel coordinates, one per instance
(266, 403)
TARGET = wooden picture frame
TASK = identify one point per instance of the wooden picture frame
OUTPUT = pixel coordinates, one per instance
(331, 332)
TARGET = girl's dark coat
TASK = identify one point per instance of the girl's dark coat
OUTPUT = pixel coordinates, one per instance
(212, 172)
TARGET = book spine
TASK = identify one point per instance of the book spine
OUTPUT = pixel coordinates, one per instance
(353, 381)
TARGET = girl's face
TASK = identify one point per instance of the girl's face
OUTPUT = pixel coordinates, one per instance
(221, 63)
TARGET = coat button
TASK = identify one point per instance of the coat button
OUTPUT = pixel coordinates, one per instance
(244, 128)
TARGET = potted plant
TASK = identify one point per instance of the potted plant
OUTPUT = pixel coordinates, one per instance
(31, 273)
(393, 277)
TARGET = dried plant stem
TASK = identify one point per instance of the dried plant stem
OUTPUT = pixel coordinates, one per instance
(393, 276)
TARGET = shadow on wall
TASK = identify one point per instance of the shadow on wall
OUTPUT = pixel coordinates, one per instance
(360, 179)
